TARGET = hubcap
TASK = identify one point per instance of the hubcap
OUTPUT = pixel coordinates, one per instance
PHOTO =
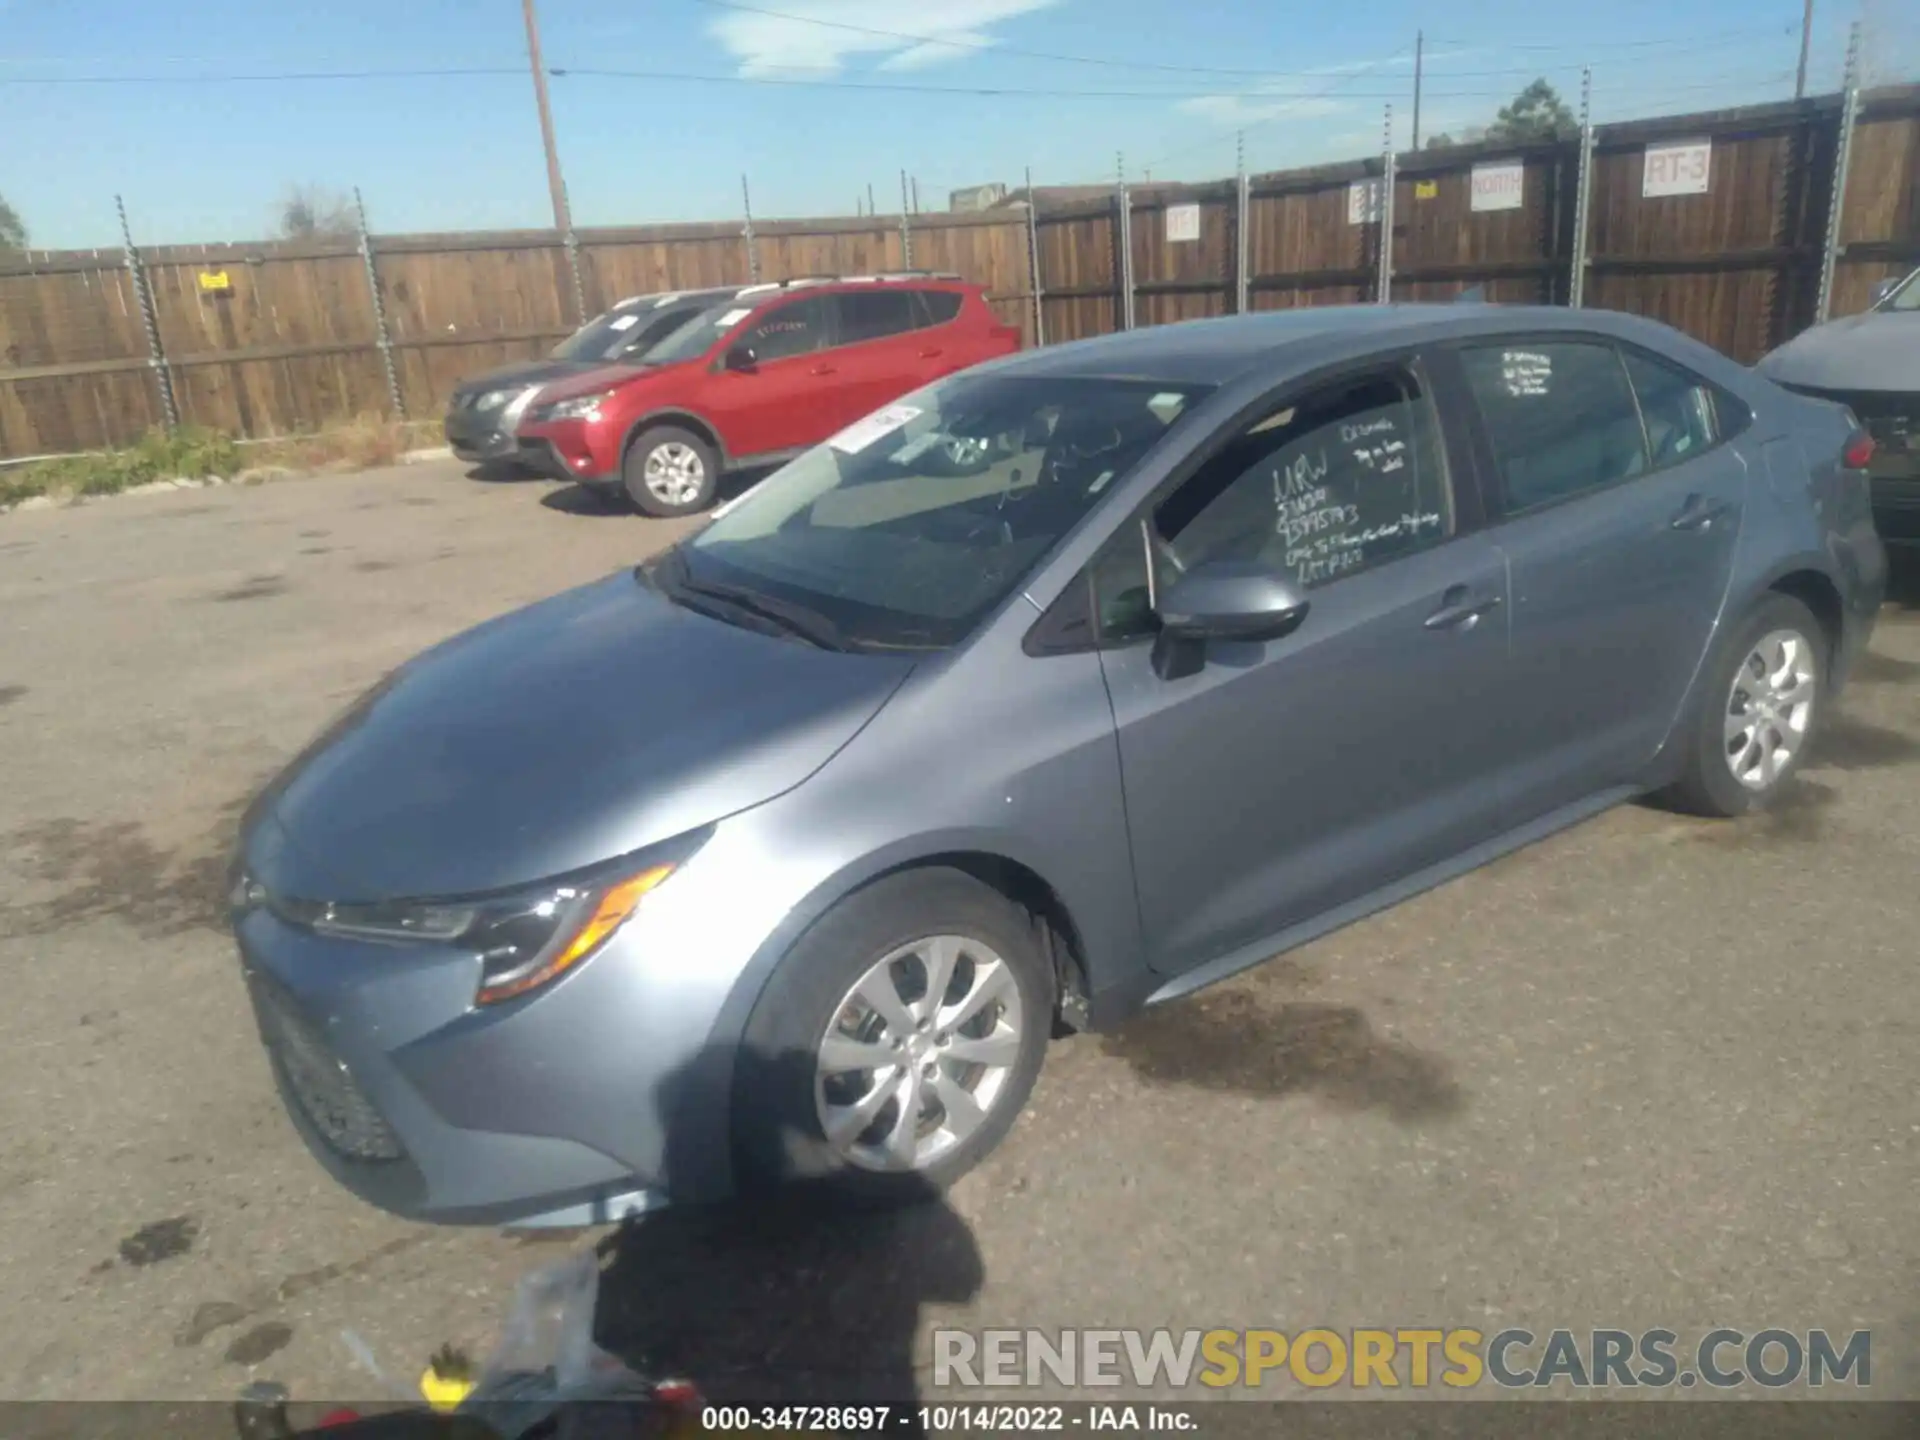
(1770, 708)
(918, 1053)
(674, 472)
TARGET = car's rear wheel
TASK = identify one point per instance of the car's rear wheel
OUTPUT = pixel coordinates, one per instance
(670, 472)
(897, 1041)
(1759, 709)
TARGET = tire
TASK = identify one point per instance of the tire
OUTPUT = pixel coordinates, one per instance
(669, 472)
(1709, 784)
(780, 1093)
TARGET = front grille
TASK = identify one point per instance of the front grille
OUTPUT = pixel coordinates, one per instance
(319, 1082)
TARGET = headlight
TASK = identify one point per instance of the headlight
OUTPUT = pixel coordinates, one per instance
(525, 939)
(493, 400)
(516, 407)
(581, 407)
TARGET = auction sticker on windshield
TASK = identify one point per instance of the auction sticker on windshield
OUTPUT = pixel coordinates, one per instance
(862, 433)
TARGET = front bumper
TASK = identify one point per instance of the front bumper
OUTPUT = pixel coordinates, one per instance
(472, 439)
(554, 1109)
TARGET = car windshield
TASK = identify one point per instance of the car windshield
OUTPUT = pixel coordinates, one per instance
(908, 527)
(626, 331)
(697, 334)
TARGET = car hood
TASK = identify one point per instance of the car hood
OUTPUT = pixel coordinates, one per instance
(585, 727)
(606, 377)
(523, 373)
(1877, 350)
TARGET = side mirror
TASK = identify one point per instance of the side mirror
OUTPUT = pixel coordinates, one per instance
(741, 357)
(1884, 289)
(1223, 600)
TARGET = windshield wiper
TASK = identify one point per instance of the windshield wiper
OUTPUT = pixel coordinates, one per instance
(809, 625)
(785, 615)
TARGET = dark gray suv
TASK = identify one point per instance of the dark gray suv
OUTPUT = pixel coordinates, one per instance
(783, 855)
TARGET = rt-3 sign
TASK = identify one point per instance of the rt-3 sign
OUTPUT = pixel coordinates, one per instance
(1684, 168)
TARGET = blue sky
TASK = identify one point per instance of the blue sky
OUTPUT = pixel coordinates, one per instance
(774, 95)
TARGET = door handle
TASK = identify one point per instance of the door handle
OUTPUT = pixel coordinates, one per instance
(822, 370)
(1460, 611)
(1699, 513)
(934, 354)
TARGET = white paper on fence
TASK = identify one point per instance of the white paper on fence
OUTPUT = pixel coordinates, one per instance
(1183, 223)
(1683, 168)
(862, 433)
(1500, 185)
(732, 318)
(625, 322)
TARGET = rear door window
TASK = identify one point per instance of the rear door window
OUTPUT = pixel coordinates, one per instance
(935, 307)
(1677, 406)
(1560, 418)
(874, 314)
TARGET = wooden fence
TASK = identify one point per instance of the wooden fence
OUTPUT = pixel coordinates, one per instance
(285, 337)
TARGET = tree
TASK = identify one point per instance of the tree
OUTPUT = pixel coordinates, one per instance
(310, 213)
(13, 230)
(1536, 113)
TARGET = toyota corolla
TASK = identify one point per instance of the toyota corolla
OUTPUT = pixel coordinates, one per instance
(784, 854)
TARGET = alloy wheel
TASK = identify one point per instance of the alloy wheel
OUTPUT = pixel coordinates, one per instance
(918, 1053)
(674, 473)
(1770, 708)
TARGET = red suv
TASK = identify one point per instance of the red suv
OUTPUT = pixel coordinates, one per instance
(751, 382)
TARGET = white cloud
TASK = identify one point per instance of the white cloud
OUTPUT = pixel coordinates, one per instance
(1229, 111)
(822, 35)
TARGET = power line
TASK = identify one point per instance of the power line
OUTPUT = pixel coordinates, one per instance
(884, 87)
(1598, 47)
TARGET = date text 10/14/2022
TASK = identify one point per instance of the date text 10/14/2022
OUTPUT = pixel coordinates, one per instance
(940, 1419)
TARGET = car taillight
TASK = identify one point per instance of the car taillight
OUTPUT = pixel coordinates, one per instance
(1859, 452)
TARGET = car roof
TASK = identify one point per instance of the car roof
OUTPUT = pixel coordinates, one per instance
(1218, 351)
(659, 299)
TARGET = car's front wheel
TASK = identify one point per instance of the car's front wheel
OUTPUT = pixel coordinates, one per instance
(1759, 709)
(670, 472)
(896, 1042)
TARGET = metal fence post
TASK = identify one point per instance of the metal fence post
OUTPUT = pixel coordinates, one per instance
(1033, 267)
(1843, 157)
(1124, 279)
(156, 357)
(1385, 295)
(906, 224)
(753, 249)
(1242, 207)
(1582, 196)
(381, 334)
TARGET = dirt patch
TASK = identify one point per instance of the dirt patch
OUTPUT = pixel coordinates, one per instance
(11, 693)
(259, 587)
(160, 1240)
(113, 868)
(1236, 1042)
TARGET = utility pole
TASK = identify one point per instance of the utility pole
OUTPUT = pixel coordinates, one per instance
(1419, 58)
(870, 209)
(1806, 39)
(562, 216)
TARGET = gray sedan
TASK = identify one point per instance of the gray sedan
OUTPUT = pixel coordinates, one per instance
(782, 856)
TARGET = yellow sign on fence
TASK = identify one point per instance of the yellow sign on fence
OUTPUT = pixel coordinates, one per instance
(1425, 189)
(215, 282)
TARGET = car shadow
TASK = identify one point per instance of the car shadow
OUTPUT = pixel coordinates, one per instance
(782, 1296)
(503, 472)
(589, 503)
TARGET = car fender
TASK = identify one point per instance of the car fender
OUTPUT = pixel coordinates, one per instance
(677, 415)
(707, 1093)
